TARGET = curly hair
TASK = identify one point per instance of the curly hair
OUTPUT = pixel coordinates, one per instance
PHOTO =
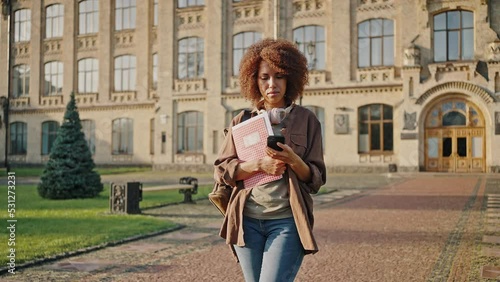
(281, 55)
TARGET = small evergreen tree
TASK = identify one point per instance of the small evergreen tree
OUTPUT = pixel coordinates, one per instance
(69, 173)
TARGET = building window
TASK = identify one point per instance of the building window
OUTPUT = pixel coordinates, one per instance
(53, 78)
(241, 42)
(88, 16)
(311, 42)
(54, 19)
(125, 76)
(189, 3)
(22, 25)
(190, 132)
(375, 129)
(453, 36)
(155, 71)
(376, 43)
(18, 138)
(320, 115)
(123, 136)
(125, 14)
(88, 75)
(88, 129)
(190, 59)
(155, 13)
(21, 81)
(152, 136)
(49, 134)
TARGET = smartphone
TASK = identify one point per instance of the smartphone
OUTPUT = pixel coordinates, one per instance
(273, 140)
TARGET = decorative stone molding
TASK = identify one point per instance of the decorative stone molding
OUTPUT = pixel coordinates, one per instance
(52, 46)
(370, 159)
(189, 158)
(20, 159)
(493, 51)
(354, 90)
(191, 18)
(153, 94)
(87, 42)
(234, 82)
(318, 78)
(123, 96)
(154, 35)
(193, 85)
(411, 56)
(454, 86)
(439, 70)
(56, 100)
(376, 74)
(86, 98)
(308, 8)
(21, 50)
(19, 102)
(375, 5)
(124, 38)
(247, 12)
(122, 158)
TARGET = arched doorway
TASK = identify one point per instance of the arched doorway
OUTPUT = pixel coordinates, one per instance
(454, 137)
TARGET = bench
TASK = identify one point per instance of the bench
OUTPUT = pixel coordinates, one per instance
(187, 186)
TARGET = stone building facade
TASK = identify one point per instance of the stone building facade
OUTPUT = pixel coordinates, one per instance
(406, 85)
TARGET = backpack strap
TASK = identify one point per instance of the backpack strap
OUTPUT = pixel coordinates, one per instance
(247, 114)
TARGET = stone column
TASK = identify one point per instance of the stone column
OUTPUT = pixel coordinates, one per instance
(143, 50)
(36, 54)
(106, 17)
(68, 49)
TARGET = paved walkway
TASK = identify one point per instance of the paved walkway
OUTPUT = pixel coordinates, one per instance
(380, 227)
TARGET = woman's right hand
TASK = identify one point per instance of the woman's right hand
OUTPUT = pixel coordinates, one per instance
(272, 166)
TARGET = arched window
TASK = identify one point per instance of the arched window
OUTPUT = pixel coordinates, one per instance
(190, 58)
(376, 43)
(88, 129)
(49, 134)
(21, 81)
(241, 42)
(53, 78)
(125, 14)
(375, 129)
(22, 25)
(190, 132)
(54, 21)
(123, 136)
(125, 73)
(453, 36)
(155, 71)
(311, 41)
(189, 3)
(88, 16)
(18, 138)
(88, 75)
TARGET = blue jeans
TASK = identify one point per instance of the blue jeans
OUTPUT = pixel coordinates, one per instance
(272, 251)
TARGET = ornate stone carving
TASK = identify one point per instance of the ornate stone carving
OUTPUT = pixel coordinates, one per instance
(56, 100)
(86, 99)
(19, 102)
(494, 51)
(411, 56)
(191, 19)
(341, 123)
(376, 75)
(87, 43)
(21, 50)
(245, 13)
(189, 159)
(375, 5)
(123, 96)
(318, 78)
(194, 85)
(410, 121)
(52, 46)
(308, 8)
(124, 39)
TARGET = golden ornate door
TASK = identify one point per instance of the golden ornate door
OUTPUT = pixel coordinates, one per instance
(454, 137)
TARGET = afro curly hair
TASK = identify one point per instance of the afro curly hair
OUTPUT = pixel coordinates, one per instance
(283, 56)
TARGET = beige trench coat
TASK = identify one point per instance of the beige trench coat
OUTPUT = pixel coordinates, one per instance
(303, 134)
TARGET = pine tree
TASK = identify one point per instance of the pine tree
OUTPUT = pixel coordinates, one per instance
(69, 172)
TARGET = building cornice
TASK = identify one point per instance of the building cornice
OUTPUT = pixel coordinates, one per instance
(144, 106)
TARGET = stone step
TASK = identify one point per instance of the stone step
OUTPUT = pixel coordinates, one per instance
(491, 252)
(490, 272)
(493, 228)
(491, 239)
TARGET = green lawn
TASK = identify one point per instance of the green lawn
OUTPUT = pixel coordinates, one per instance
(49, 227)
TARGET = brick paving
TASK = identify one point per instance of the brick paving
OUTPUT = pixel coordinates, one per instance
(381, 227)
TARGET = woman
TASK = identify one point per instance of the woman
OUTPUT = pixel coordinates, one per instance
(270, 226)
